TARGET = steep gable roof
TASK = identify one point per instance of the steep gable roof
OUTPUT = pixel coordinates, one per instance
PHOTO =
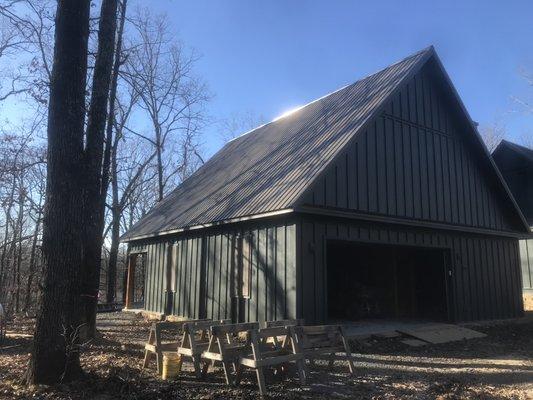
(268, 169)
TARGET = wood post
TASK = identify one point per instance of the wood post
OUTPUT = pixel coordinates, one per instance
(132, 260)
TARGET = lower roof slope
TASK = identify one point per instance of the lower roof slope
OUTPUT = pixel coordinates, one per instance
(516, 148)
(270, 167)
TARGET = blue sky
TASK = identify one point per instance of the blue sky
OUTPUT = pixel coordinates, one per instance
(266, 57)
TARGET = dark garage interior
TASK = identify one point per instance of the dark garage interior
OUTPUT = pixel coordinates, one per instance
(367, 281)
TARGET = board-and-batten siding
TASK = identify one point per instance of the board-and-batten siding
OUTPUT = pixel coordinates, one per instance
(202, 274)
(154, 279)
(273, 265)
(186, 273)
(414, 162)
(516, 165)
(485, 281)
(521, 185)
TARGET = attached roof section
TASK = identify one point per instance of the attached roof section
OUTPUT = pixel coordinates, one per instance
(268, 169)
(524, 152)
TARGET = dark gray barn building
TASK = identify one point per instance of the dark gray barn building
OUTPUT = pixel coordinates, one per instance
(377, 200)
(516, 165)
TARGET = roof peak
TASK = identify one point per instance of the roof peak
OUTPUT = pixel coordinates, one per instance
(428, 49)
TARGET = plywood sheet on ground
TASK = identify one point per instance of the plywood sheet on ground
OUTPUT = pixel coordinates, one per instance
(441, 333)
(528, 300)
(414, 342)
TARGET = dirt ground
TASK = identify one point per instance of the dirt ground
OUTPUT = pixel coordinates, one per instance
(499, 366)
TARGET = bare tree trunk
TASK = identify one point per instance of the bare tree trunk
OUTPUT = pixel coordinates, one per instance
(15, 248)
(55, 355)
(113, 256)
(3, 257)
(18, 278)
(111, 114)
(159, 150)
(32, 263)
(118, 206)
(94, 213)
(19, 227)
(110, 161)
(115, 227)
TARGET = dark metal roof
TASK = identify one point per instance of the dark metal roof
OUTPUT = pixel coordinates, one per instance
(268, 168)
(516, 148)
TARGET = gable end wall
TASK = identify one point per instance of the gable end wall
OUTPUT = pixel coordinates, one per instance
(415, 161)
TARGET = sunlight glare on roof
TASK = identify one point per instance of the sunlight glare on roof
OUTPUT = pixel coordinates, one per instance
(288, 112)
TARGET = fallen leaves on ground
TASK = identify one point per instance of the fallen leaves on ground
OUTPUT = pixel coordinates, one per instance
(499, 366)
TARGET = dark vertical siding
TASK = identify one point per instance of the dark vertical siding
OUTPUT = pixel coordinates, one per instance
(154, 280)
(417, 162)
(203, 272)
(485, 280)
(517, 171)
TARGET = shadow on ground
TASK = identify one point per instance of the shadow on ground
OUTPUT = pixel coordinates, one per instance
(499, 366)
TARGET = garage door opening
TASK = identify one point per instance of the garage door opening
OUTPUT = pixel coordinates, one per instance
(367, 281)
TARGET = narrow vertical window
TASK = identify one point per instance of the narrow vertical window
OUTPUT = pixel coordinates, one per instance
(242, 266)
(174, 266)
(246, 266)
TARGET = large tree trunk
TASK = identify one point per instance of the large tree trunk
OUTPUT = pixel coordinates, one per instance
(94, 212)
(55, 355)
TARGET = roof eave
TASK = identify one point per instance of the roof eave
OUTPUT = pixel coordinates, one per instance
(276, 213)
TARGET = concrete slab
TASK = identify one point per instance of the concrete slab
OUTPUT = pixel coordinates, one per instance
(367, 328)
(414, 342)
(429, 332)
(387, 335)
(441, 333)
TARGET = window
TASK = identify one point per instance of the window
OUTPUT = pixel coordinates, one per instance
(242, 266)
(172, 254)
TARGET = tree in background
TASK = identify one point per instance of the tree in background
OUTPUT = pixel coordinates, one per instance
(109, 160)
(95, 184)
(26, 46)
(492, 135)
(160, 70)
(157, 85)
(238, 124)
(169, 117)
(526, 106)
(22, 173)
